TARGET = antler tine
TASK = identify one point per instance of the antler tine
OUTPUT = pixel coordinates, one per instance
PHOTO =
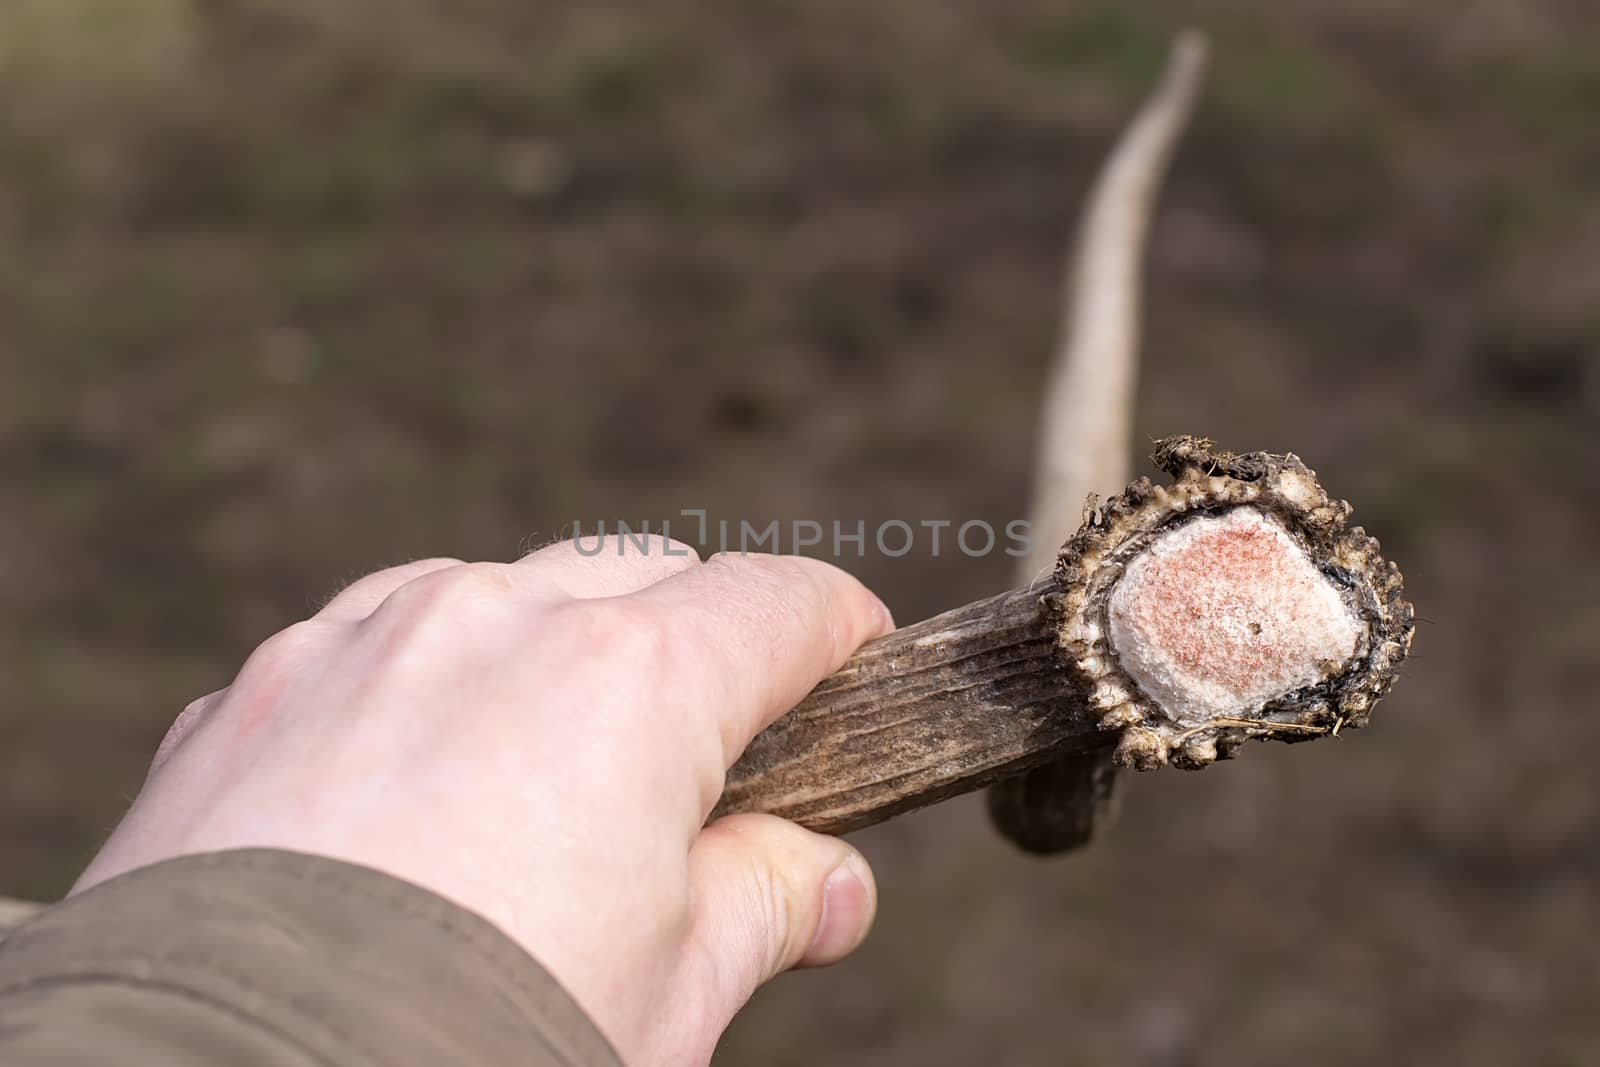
(1086, 425)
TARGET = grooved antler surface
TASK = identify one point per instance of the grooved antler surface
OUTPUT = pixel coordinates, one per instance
(932, 710)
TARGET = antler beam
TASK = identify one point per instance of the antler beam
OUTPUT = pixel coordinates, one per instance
(1180, 621)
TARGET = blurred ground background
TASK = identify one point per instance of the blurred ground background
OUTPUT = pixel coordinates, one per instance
(291, 290)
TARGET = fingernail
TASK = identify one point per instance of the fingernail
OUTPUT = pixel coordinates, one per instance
(846, 913)
(886, 618)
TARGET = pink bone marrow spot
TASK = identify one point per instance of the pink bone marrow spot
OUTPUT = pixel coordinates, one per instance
(1224, 613)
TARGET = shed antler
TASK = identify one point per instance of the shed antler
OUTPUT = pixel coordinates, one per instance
(1179, 621)
(1086, 425)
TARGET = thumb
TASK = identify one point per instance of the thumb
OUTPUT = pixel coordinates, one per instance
(769, 896)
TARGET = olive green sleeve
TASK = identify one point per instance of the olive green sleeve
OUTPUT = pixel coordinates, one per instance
(262, 958)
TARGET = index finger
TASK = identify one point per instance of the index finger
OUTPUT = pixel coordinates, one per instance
(767, 630)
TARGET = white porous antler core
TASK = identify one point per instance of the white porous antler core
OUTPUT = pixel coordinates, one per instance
(1224, 613)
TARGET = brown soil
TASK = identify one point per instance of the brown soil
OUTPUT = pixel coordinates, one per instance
(290, 290)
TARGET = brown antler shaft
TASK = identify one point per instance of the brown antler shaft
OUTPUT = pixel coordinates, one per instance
(932, 710)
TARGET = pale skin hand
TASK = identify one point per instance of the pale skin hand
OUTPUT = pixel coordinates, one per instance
(542, 742)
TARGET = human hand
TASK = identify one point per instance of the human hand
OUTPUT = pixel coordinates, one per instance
(541, 742)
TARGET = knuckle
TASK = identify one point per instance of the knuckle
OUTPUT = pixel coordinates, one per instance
(406, 573)
(184, 725)
(782, 577)
(783, 910)
(198, 705)
(283, 650)
(680, 548)
(782, 589)
(367, 584)
(432, 563)
(427, 612)
(659, 553)
(478, 578)
(779, 888)
(436, 602)
(626, 631)
(755, 579)
(663, 552)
